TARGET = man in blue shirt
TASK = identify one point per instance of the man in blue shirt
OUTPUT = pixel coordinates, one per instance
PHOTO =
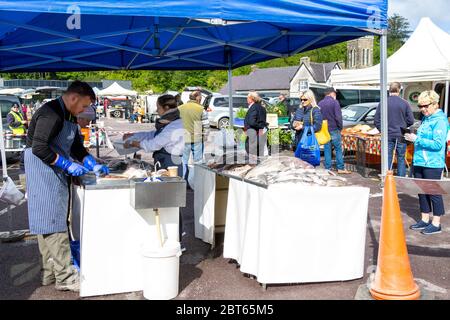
(331, 111)
(400, 115)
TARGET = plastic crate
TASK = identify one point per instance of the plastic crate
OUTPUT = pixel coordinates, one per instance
(238, 122)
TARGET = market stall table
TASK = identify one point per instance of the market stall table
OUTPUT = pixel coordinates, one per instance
(266, 233)
(368, 151)
(112, 233)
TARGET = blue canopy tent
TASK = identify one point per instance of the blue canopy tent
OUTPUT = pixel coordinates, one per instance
(62, 35)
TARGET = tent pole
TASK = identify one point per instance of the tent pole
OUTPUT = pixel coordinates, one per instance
(384, 99)
(2, 147)
(447, 87)
(230, 91)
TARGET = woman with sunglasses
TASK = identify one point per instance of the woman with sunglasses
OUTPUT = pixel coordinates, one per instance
(429, 159)
(302, 117)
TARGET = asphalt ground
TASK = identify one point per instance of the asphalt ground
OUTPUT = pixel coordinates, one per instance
(206, 275)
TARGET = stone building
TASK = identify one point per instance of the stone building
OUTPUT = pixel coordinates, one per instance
(360, 53)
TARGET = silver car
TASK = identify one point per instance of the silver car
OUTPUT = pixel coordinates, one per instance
(218, 110)
(363, 113)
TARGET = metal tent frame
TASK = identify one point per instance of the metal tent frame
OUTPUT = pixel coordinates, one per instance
(174, 37)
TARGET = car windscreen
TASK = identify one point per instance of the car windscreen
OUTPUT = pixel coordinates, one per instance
(6, 107)
(353, 113)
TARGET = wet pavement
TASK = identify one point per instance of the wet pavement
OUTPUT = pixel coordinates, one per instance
(205, 274)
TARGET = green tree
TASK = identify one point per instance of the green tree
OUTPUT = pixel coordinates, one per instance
(398, 31)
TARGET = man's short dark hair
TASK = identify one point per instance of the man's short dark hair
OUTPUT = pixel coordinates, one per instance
(81, 88)
(395, 87)
(329, 90)
(167, 101)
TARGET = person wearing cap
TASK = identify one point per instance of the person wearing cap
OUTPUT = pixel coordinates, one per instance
(16, 121)
(191, 114)
(331, 111)
(83, 120)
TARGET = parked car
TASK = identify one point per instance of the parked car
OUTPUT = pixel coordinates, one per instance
(6, 102)
(188, 90)
(118, 108)
(349, 95)
(218, 108)
(363, 113)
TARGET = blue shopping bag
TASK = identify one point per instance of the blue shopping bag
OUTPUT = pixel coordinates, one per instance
(308, 148)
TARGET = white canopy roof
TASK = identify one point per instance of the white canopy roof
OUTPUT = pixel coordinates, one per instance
(116, 90)
(12, 91)
(424, 57)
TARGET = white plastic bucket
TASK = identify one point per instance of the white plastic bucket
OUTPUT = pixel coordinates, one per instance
(161, 270)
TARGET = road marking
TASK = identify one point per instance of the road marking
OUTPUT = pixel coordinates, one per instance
(431, 287)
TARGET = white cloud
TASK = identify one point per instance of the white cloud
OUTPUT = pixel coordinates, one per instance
(413, 10)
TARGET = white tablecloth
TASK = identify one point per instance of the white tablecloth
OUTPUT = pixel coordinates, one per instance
(204, 200)
(112, 234)
(292, 234)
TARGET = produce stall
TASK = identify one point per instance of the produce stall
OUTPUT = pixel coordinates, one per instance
(113, 221)
(365, 143)
(278, 226)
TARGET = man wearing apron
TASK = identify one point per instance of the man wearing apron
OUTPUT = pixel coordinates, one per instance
(167, 141)
(52, 141)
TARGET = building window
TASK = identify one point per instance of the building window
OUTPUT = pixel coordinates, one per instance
(303, 85)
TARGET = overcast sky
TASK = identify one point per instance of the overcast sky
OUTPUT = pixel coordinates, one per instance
(413, 10)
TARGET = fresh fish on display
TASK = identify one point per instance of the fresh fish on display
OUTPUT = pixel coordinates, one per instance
(239, 170)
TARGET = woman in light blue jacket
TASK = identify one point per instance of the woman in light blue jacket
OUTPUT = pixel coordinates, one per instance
(429, 159)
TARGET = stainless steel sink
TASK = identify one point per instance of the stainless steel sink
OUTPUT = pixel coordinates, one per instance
(169, 193)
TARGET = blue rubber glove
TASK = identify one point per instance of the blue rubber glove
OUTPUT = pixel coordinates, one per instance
(101, 169)
(74, 169)
(89, 162)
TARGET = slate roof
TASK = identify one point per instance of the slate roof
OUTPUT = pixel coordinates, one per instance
(277, 78)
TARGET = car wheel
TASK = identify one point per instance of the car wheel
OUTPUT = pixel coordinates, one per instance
(117, 114)
(223, 123)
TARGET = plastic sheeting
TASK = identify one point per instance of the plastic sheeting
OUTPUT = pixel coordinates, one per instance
(107, 35)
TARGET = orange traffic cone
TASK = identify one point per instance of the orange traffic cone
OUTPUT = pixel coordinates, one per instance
(393, 278)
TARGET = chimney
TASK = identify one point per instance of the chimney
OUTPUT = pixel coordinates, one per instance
(306, 61)
(254, 67)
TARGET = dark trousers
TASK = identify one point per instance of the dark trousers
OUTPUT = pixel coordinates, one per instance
(430, 203)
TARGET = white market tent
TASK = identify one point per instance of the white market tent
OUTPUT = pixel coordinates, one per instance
(424, 57)
(116, 90)
(15, 91)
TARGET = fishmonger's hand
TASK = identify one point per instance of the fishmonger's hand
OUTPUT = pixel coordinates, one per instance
(126, 136)
(91, 164)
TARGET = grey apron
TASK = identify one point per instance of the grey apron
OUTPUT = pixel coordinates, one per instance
(48, 186)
